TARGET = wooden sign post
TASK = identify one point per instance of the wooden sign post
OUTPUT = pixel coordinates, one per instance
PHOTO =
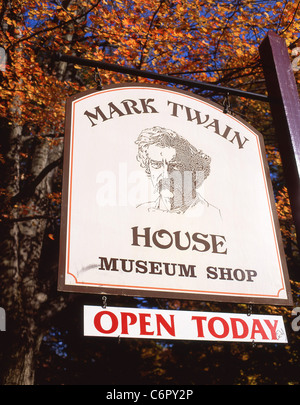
(285, 108)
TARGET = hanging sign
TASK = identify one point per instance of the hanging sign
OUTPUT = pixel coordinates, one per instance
(182, 325)
(165, 195)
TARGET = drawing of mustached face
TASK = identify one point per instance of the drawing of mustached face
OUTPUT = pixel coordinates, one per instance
(176, 168)
(170, 176)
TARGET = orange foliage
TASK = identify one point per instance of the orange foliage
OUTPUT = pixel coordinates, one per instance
(203, 40)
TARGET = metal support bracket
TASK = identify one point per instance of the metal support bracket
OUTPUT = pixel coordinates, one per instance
(156, 76)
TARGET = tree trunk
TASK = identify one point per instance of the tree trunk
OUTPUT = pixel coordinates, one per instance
(23, 371)
(23, 294)
(18, 365)
(28, 278)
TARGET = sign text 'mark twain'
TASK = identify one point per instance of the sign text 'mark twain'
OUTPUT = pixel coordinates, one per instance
(145, 106)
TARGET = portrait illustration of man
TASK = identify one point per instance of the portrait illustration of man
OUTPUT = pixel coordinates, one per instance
(176, 168)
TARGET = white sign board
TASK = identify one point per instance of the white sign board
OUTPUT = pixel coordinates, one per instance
(164, 195)
(182, 325)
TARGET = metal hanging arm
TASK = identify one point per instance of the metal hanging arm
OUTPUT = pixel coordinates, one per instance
(156, 76)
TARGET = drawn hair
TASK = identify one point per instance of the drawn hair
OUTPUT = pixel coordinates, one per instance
(190, 158)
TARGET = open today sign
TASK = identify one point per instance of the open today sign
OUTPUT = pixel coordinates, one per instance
(183, 325)
(164, 195)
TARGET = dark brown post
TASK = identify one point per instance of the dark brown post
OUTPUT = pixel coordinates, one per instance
(285, 109)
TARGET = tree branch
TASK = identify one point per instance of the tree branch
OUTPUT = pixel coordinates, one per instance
(148, 33)
(59, 25)
(24, 219)
(29, 189)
